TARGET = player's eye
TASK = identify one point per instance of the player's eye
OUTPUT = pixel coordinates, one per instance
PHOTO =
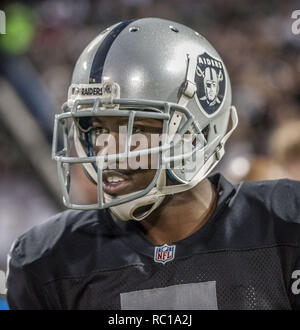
(97, 130)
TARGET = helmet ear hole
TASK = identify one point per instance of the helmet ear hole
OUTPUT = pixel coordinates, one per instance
(205, 132)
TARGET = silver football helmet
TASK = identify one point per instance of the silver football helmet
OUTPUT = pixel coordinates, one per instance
(147, 68)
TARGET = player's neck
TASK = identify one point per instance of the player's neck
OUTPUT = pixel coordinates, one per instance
(181, 215)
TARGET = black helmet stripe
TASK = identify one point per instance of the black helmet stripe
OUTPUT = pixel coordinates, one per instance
(100, 56)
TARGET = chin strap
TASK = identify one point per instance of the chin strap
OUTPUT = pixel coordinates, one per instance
(126, 211)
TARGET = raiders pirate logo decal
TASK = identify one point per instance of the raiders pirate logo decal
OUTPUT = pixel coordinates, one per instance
(210, 81)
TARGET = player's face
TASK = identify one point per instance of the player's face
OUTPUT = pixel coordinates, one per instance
(109, 136)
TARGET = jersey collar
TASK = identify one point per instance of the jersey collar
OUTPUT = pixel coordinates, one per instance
(131, 233)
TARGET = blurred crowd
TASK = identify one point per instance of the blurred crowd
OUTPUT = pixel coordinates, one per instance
(253, 37)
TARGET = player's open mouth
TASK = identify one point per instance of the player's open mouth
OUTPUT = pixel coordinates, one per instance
(114, 182)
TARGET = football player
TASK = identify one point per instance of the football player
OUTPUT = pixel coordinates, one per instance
(148, 112)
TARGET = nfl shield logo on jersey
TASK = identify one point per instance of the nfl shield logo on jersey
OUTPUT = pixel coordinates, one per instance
(164, 253)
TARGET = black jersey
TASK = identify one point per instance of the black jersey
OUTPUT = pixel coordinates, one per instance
(246, 256)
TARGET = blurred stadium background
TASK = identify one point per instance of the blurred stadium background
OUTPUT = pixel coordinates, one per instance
(42, 42)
